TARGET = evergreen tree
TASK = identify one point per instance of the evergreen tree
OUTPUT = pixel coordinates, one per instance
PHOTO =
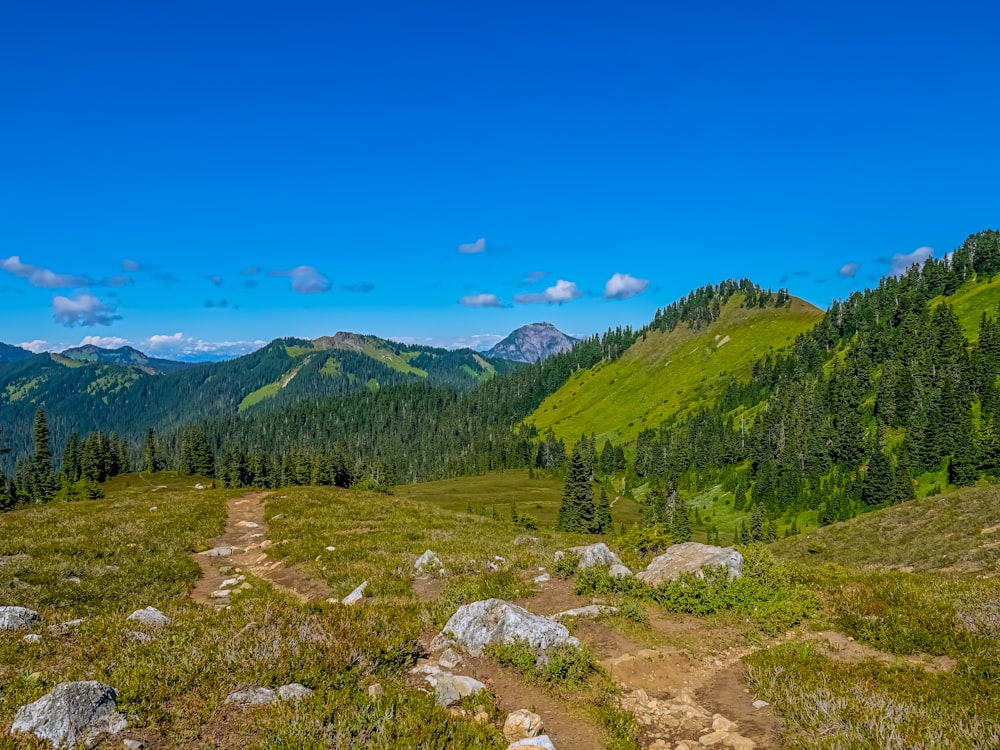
(602, 515)
(680, 526)
(878, 485)
(70, 469)
(151, 459)
(576, 512)
(42, 484)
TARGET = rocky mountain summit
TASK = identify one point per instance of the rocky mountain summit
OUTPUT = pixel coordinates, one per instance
(531, 343)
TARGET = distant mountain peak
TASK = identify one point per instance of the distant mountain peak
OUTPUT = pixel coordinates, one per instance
(123, 355)
(532, 342)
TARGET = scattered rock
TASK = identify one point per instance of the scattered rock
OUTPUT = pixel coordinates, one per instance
(150, 616)
(691, 557)
(266, 544)
(331, 549)
(17, 618)
(592, 555)
(218, 552)
(251, 697)
(375, 691)
(221, 594)
(591, 610)
(619, 571)
(64, 628)
(449, 688)
(248, 524)
(136, 635)
(229, 582)
(712, 739)
(355, 596)
(294, 692)
(541, 742)
(475, 625)
(721, 724)
(72, 713)
(32, 638)
(760, 704)
(522, 724)
(73, 579)
(739, 742)
(542, 578)
(449, 659)
(429, 563)
(132, 745)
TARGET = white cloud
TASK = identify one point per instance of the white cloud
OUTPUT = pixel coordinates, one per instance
(84, 310)
(38, 346)
(901, 261)
(623, 286)
(481, 300)
(479, 246)
(533, 276)
(848, 270)
(41, 277)
(105, 342)
(130, 265)
(563, 291)
(476, 341)
(188, 347)
(305, 280)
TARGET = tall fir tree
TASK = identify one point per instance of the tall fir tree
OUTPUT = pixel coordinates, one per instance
(150, 454)
(576, 512)
(42, 482)
(602, 514)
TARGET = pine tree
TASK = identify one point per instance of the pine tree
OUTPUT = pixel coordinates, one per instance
(602, 515)
(576, 512)
(680, 526)
(151, 459)
(42, 481)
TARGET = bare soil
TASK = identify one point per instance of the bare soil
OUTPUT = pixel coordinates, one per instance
(246, 535)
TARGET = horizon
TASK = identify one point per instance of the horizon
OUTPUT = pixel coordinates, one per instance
(196, 182)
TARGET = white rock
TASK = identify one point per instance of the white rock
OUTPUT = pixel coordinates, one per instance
(221, 594)
(542, 578)
(229, 582)
(428, 562)
(541, 742)
(449, 659)
(739, 742)
(591, 610)
(480, 623)
(619, 571)
(150, 616)
(375, 691)
(331, 549)
(248, 525)
(592, 555)
(17, 618)
(32, 638)
(136, 635)
(760, 704)
(132, 744)
(355, 596)
(218, 552)
(252, 696)
(72, 713)
(294, 692)
(693, 558)
(522, 724)
(449, 688)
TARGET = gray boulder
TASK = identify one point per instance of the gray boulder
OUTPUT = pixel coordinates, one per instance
(17, 618)
(478, 624)
(149, 616)
(294, 692)
(541, 742)
(693, 558)
(429, 564)
(449, 689)
(251, 697)
(619, 571)
(592, 555)
(73, 713)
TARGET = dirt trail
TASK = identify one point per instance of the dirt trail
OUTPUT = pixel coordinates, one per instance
(245, 540)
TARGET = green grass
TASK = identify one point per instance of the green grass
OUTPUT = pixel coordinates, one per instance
(972, 299)
(539, 496)
(399, 362)
(667, 374)
(298, 350)
(255, 397)
(331, 366)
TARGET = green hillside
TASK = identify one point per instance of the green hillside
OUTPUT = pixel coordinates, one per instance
(671, 373)
(975, 297)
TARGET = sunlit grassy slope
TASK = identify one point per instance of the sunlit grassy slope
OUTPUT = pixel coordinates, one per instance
(973, 298)
(670, 373)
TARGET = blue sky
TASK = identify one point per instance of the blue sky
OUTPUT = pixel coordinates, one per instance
(195, 178)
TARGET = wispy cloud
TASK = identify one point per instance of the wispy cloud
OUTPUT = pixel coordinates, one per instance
(899, 262)
(848, 270)
(622, 286)
(215, 278)
(533, 277)
(129, 265)
(43, 278)
(40, 345)
(479, 246)
(84, 310)
(481, 300)
(305, 280)
(476, 341)
(362, 287)
(561, 291)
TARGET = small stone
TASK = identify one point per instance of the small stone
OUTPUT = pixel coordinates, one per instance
(542, 578)
(277, 517)
(32, 638)
(522, 724)
(375, 691)
(331, 549)
(245, 586)
(712, 739)
(153, 508)
(739, 742)
(355, 596)
(222, 594)
(541, 742)
(760, 704)
(218, 552)
(228, 582)
(294, 692)
(721, 724)
(150, 616)
(132, 745)
(251, 697)
(619, 571)
(248, 525)
(266, 544)
(64, 628)
(139, 637)
(73, 579)
(449, 659)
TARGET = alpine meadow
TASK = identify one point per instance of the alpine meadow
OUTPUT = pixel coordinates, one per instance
(499, 376)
